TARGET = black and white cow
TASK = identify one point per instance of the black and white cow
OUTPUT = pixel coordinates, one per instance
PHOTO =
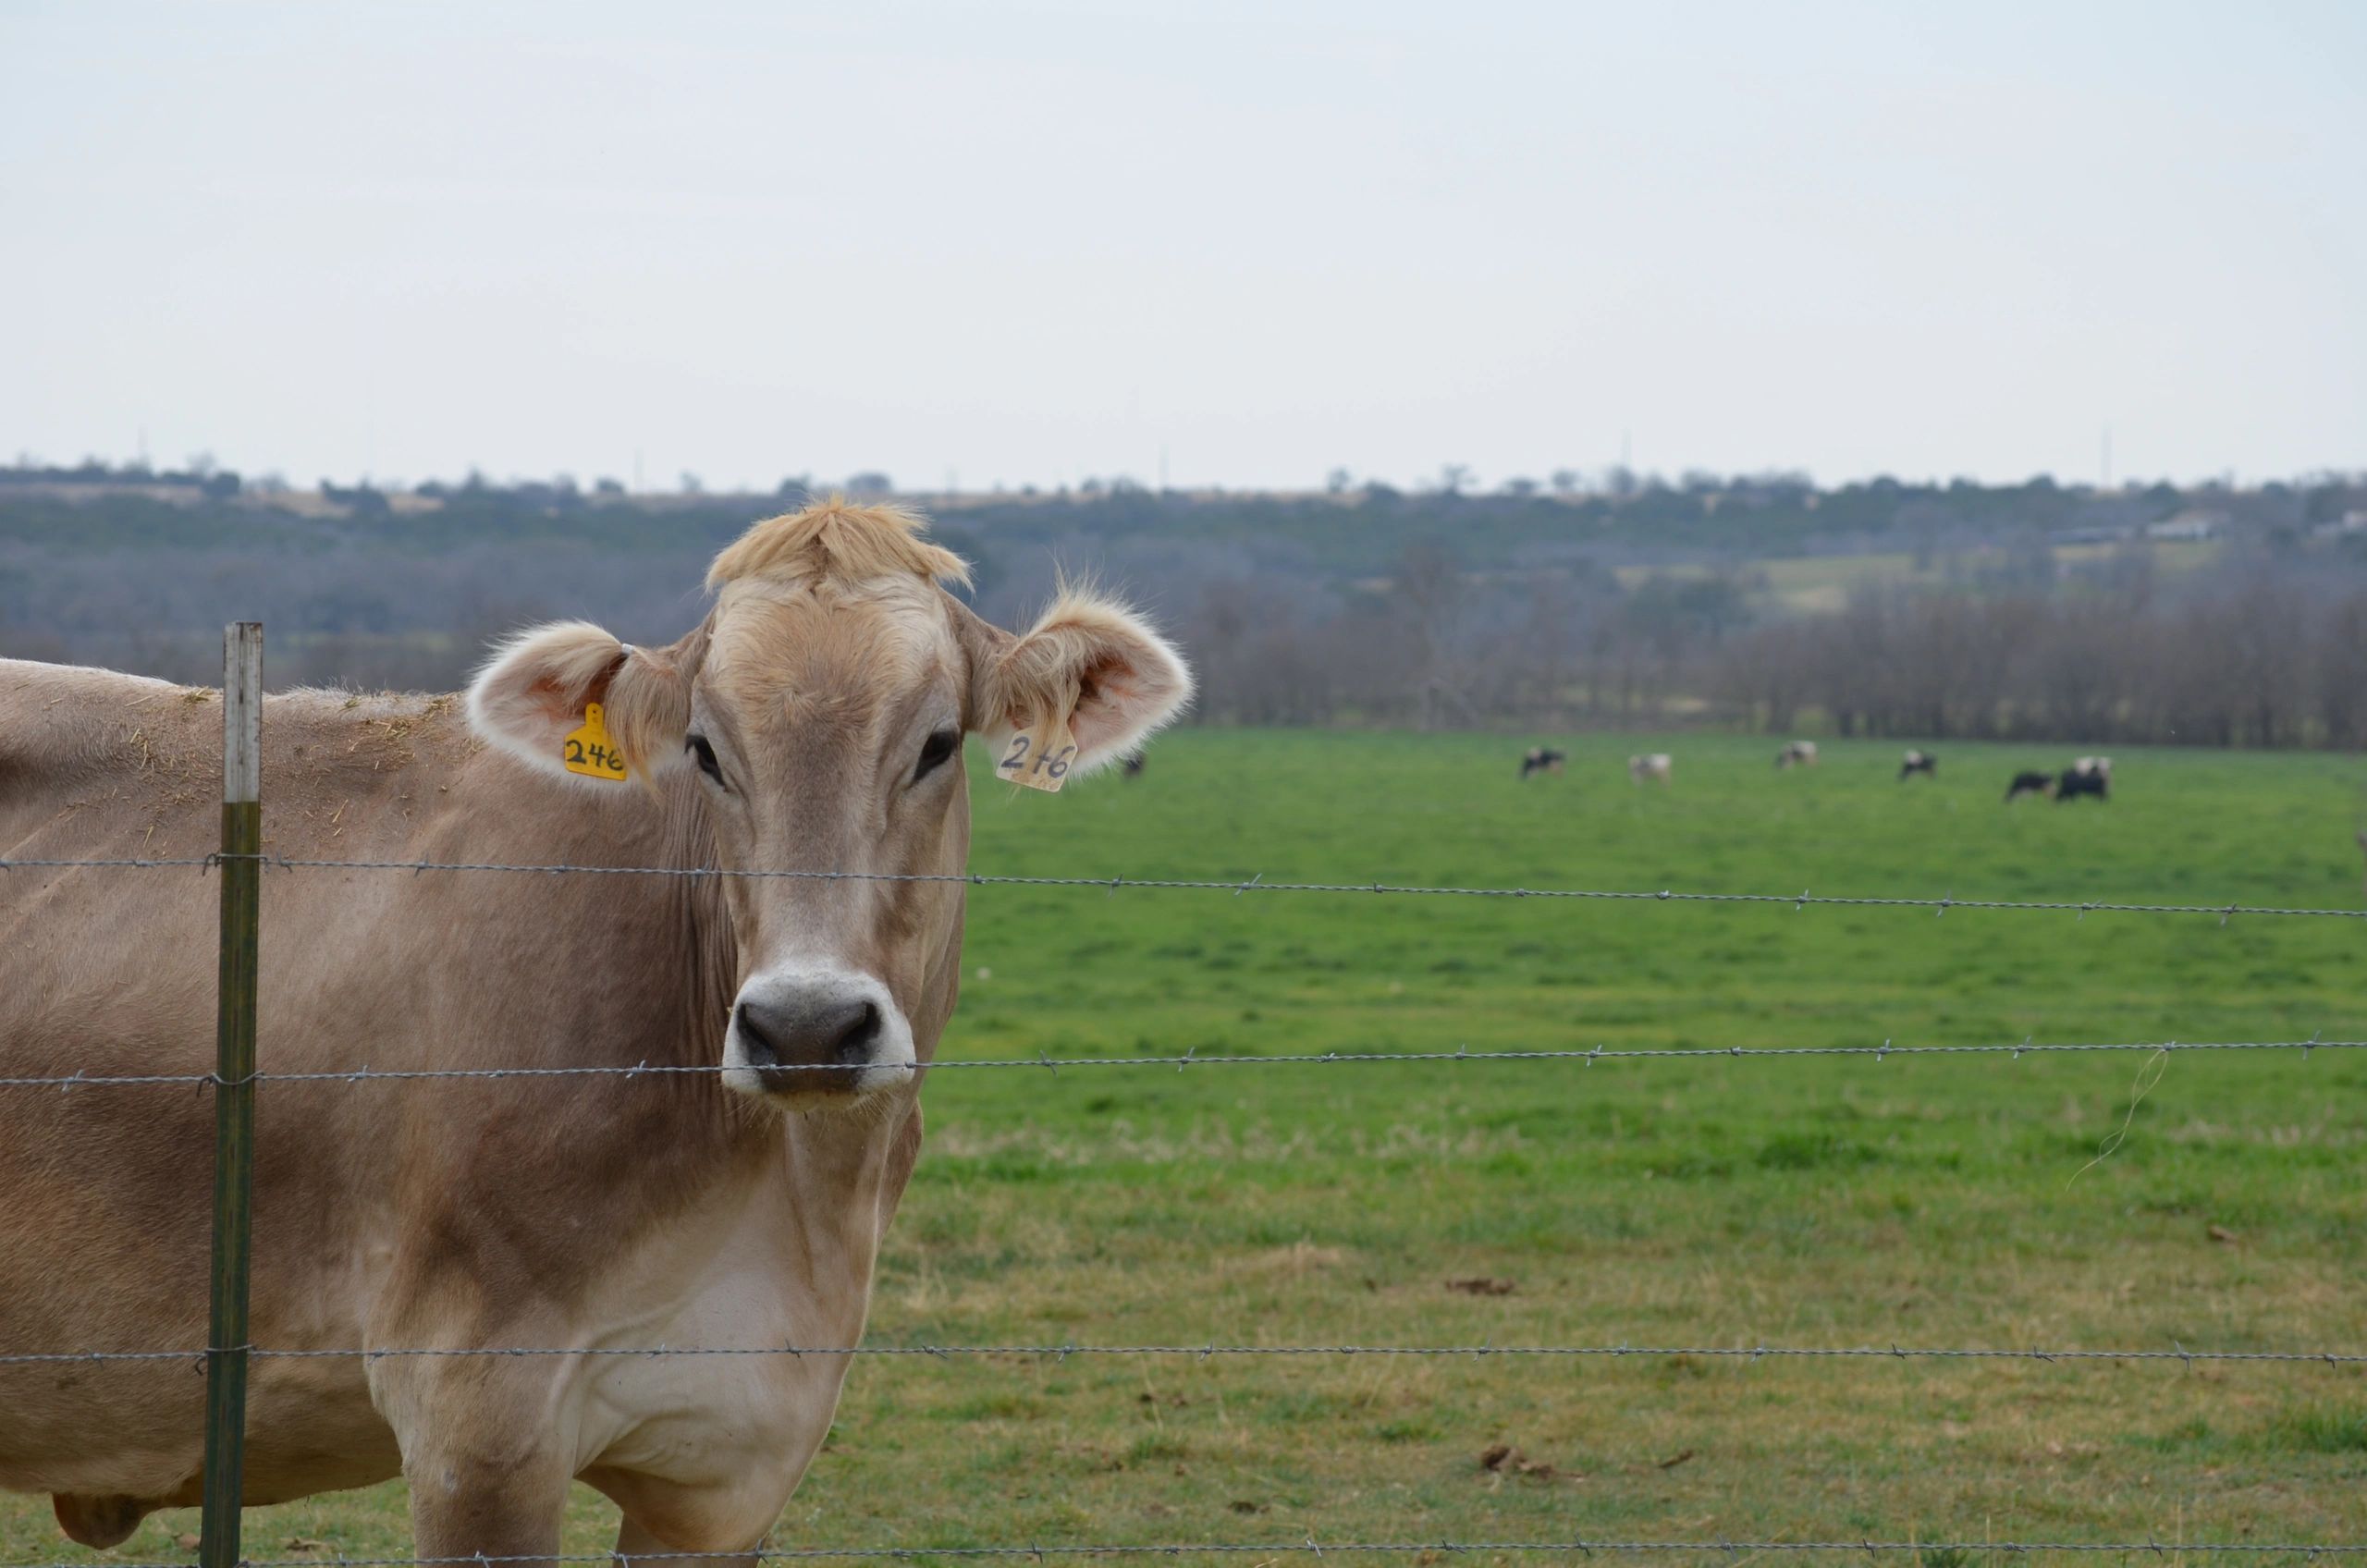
(2029, 783)
(1541, 759)
(2089, 776)
(1796, 754)
(1916, 762)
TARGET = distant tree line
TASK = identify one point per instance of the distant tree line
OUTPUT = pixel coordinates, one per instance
(2268, 660)
(2266, 648)
(201, 478)
(2036, 611)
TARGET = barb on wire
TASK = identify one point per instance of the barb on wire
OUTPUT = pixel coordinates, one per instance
(2081, 908)
(1191, 1059)
(1310, 1546)
(1753, 1353)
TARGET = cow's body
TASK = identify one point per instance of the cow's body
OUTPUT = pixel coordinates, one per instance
(1796, 754)
(1916, 762)
(1656, 767)
(2075, 782)
(1541, 759)
(2027, 782)
(736, 1207)
(385, 1212)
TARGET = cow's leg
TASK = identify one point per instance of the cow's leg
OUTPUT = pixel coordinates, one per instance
(635, 1542)
(487, 1483)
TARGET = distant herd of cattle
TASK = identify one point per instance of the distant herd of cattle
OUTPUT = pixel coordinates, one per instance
(2087, 776)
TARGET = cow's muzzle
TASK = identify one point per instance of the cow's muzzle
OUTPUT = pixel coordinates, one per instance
(818, 1032)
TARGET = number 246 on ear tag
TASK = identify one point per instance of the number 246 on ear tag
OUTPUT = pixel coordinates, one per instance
(1041, 756)
(588, 750)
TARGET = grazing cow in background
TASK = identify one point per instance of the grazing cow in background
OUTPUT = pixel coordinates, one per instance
(1653, 766)
(1134, 765)
(2029, 783)
(1923, 763)
(1796, 754)
(812, 721)
(2077, 780)
(1541, 759)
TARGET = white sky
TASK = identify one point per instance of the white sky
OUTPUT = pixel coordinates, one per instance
(1027, 244)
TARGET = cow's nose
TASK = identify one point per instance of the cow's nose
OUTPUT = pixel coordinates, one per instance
(816, 1032)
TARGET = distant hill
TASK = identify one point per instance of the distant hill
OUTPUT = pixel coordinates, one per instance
(1754, 601)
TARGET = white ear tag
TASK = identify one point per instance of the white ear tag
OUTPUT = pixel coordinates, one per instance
(1039, 757)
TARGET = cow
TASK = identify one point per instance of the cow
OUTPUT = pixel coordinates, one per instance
(1132, 767)
(1652, 766)
(1541, 759)
(1916, 762)
(812, 722)
(2100, 767)
(1796, 754)
(2077, 780)
(2029, 783)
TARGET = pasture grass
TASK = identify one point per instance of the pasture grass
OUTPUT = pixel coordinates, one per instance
(1718, 1202)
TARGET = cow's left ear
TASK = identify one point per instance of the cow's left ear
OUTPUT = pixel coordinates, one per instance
(1118, 678)
(535, 693)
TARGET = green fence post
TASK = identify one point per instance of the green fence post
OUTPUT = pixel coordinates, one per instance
(234, 1092)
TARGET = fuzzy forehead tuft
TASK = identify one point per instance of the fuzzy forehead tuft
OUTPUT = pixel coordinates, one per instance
(833, 541)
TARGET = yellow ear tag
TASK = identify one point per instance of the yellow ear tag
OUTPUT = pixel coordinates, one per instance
(1039, 757)
(589, 750)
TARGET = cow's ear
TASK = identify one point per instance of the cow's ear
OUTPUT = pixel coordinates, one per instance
(533, 695)
(1118, 678)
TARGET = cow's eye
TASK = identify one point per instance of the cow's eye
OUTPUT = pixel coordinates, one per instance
(935, 750)
(706, 754)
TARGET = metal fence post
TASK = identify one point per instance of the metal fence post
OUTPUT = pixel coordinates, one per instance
(234, 1091)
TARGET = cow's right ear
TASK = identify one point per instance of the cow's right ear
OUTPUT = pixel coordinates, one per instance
(532, 695)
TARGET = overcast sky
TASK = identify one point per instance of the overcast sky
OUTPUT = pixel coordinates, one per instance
(1251, 242)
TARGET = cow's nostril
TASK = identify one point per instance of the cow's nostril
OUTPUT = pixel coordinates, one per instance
(761, 1050)
(810, 1032)
(855, 1040)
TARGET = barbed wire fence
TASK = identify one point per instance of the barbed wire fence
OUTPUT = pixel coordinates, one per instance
(1310, 1546)
(1120, 882)
(1754, 1353)
(222, 1360)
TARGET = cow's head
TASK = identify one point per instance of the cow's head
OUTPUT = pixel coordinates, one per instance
(814, 724)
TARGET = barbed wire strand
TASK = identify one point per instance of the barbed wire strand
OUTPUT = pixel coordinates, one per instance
(1056, 1065)
(1255, 884)
(1310, 1546)
(1754, 1353)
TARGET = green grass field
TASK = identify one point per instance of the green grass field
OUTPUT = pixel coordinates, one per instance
(1824, 1202)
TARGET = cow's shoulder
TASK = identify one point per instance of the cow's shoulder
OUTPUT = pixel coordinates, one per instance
(67, 722)
(327, 735)
(64, 727)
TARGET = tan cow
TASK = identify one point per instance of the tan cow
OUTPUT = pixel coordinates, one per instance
(813, 721)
